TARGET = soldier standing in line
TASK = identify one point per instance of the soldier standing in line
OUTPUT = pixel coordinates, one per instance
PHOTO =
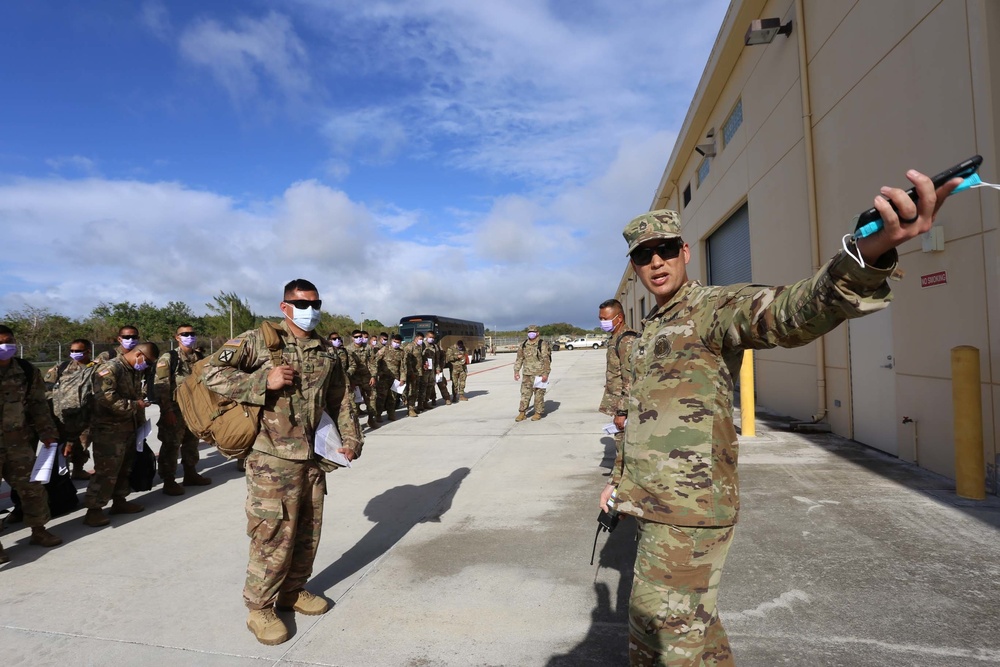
(535, 356)
(78, 435)
(437, 355)
(24, 419)
(172, 369)
(128, 337)
(286, 480)
(119, 408)
(392, 367)
(415, 387)
(617, 374)
(346, 362)
(457, 358)
(364, 374)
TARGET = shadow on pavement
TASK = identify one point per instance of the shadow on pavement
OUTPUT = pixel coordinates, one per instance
(606, 642)
(394, 512)
(609, 454)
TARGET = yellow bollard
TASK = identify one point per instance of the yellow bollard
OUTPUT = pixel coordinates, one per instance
(967, 402)
(748, 425)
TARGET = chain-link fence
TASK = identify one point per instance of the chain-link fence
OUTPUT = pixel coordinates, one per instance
(45, 355)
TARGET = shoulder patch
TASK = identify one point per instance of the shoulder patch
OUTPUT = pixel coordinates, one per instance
(104, 371)
(233, 342)
(162, 363)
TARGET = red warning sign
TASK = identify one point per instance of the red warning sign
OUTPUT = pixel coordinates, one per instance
(934, 279)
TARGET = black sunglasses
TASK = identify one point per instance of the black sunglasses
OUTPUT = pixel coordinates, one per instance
(335, 338)
(666, 250)
(187, 333)
(302, 304)
(128, 337)
(72, 350)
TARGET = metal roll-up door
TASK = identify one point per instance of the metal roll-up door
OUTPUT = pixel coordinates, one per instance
(729, 250)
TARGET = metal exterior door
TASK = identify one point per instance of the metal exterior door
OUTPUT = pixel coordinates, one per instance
(873, 381)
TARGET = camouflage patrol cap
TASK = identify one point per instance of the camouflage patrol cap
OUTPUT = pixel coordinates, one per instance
(533, 327)
(659, 224)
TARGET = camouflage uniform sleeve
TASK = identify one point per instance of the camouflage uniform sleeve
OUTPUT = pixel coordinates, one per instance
(372, 362)
(51, 376)
(759, 317)
(345, 414)
(38, 410)
(106, 392)
(161, 384)
(238, 370)
(546, 357)
(519, 360)
(625, 364)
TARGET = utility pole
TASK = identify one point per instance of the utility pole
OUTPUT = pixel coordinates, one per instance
(231, 336)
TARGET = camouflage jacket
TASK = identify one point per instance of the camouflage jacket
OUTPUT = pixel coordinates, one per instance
(392, 361)
(362, 363)
(117, 392)
(25, 417)
(290, 416)
(52, 376)
(455, 357)
(414, 355)
(430, 354)
(618, 373)
(535, 356)
(346, 360)
(680, 451)
(106, 355)
(166, 382)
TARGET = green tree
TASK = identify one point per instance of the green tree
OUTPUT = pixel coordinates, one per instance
(225, 307)
(342, 324)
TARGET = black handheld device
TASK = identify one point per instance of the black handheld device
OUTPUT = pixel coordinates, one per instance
(870, 221)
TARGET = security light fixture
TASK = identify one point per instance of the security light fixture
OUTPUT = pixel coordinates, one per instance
(708, 150)
(763, 31)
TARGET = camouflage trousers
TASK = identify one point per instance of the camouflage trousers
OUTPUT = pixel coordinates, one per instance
(114, 451)
(443, 388)
(427, 377)
(527, 389)
(414, 390)
(284, 521)
(384, 395)
(173, 438)
(16, 460)
(368, 395)
(672, 612)
(458, 376)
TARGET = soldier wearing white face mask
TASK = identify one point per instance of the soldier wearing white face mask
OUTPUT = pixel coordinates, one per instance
(172, 369)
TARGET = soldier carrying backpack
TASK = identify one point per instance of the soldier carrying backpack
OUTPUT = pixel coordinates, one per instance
(70, 391)
(172, 369)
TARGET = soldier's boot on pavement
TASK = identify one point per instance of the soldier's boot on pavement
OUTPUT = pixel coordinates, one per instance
(462, 398)
(390, 415)
(412, 413)
(192, 478)
(267, 627)
(79, 473)
(447, 401)
(303, 602)
(95, 518)
(372, 423)
(4, 558)
(535, 417)
(44, 538)
(16, 516)
(520, 417)
(121, 506)
(172, 488)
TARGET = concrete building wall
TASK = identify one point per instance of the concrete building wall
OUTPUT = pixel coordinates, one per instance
(892, 84)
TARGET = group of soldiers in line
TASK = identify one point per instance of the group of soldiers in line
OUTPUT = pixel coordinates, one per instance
(375, 365)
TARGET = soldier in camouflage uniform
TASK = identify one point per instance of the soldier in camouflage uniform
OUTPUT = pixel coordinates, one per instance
(365, 371)
(535, 356)
(391, 367)
(679, 471)
(415, 386)
(172, 369)
(24, 420)
(456, 359)
(79, 358)
(119, 408)
(437, 354)
(286, 479)
(346, 362)
(617, 375)
(128, 337)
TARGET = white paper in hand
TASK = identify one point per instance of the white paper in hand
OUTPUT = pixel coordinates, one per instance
(538, 384)
(358, 398)
(398, 387)
(142, 434)
(438, 378)
(328, 441)
(42, 470)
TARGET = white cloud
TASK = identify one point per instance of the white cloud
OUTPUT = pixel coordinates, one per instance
(73, 163)
(251, 54)
(154, 17)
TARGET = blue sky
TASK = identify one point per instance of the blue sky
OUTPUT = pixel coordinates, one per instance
(472, 159)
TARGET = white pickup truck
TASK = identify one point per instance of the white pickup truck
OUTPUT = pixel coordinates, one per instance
(585, 342)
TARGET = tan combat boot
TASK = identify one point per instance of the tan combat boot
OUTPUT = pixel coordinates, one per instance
(95, 518)
(303, 602)
(411, 413)
(44, 538)
(462, 398)
(447, 401)
(535, 417)
(267, 627)
(172, 488)
(520, 417)
(121, 506)
(192, 478)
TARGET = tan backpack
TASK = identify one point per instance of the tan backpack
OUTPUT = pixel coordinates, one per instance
(230, 425)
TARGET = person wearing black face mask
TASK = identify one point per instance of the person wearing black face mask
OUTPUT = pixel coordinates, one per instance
(119, 408)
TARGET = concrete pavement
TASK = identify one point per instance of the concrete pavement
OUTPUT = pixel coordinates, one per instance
(461, 538)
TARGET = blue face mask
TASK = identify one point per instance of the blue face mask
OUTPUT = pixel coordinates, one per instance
(7, 351)
(305, 318)
(140, 366)
(188, 341)
(77, 356)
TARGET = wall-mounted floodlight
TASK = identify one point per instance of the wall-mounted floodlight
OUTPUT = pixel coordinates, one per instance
(708, 150)
(763, 31)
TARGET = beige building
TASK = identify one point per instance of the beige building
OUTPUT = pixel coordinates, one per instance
(785, 142)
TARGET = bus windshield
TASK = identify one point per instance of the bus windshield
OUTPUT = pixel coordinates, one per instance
(410, 329)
